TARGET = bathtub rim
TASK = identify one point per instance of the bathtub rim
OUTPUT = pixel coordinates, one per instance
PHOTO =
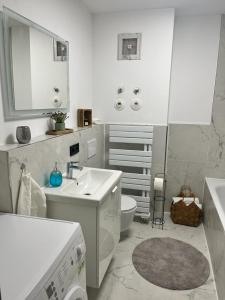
(212, 184)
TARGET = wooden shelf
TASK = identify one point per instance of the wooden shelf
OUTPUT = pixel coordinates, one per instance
(59, 132)
(84, 117)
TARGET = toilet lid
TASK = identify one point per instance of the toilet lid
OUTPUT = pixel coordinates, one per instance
(127, 203)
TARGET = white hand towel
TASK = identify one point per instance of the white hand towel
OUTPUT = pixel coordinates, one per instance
(32, 199)
(188, 201)
(24, 199)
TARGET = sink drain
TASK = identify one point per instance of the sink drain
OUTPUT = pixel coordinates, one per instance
(87, 194)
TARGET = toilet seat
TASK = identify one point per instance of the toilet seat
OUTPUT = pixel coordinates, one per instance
(128, 208)
(127, 203)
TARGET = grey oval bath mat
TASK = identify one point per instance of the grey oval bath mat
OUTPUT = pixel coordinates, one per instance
(171, 264)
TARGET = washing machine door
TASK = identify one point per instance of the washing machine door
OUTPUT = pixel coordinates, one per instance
(76, 293)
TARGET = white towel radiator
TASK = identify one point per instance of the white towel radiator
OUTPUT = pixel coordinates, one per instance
(142, 159)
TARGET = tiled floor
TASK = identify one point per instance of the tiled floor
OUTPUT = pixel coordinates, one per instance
(122, 282)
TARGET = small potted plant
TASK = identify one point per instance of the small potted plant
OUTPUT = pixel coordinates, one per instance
(59, 117)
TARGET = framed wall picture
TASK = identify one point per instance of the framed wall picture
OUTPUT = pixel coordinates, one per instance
(129, 46)
(60, 50)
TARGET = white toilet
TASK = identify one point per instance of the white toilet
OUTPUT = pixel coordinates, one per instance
(128, 208)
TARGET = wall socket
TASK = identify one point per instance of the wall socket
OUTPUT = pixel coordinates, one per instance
(74, 149)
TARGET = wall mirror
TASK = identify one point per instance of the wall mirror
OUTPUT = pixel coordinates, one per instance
(34, 68)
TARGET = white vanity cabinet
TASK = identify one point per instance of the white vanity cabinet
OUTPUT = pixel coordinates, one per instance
(108, 229)
(100, 222)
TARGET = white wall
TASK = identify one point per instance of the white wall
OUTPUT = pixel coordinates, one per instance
(195, 52)
(151, 73)
(72, 21)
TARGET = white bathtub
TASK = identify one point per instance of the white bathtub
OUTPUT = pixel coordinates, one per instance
(217, 190)
(214, 224)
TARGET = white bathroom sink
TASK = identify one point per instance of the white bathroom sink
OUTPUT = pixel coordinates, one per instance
(89, 184)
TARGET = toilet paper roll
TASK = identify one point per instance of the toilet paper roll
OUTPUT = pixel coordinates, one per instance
(158, 184)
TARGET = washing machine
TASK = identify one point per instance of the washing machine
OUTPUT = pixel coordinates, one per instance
(41, 259)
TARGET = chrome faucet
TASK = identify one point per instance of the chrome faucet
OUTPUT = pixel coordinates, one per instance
(70, 166)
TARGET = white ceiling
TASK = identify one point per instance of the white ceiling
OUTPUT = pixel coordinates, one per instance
(183, 7)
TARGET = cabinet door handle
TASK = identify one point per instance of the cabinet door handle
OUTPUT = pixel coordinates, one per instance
(115, 189)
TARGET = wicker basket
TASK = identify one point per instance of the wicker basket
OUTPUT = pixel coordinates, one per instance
(190, 215)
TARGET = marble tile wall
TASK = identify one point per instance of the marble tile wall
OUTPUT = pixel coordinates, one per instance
(5, 189)
(97, 161)
(187, 158)
(196, 152)
(39, 158)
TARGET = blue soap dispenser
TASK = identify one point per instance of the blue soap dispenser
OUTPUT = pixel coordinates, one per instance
(56, 177)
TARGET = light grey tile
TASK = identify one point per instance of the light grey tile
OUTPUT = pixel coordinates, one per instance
(188, 143)
(5, 189)
(96, 132)
(217, 139)
(220, 76)
(184, 172)
(159, 145)
(39, 159)
(215, 169)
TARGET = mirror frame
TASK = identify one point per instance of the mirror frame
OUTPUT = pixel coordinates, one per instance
(6, 70)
